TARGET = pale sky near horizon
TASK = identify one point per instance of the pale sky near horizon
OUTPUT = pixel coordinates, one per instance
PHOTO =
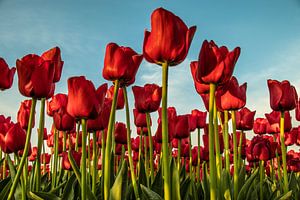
(268, 33)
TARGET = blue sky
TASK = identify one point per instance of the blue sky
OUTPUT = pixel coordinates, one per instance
(268, 33)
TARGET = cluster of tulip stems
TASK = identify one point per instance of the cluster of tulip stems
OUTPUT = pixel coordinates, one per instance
(94, 157)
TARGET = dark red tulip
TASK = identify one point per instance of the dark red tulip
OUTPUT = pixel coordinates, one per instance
(57, 102)
(140, 129)
(66, 165)
(54, 56)
(298, 136)
(195, 156)
(169, 39)
(121, 63)
(120, 98)
(135, 143)
(101, 122)
(274, 122)
(260, 126)
(36, 76)
(182, 129)
(200, 86)
(147, 98)
(201, 118)
(205, 99)
(171, 124)
(244, 119)
(297, 110)
(63, 121)
(47, 158)
(192, 122)
(13, 140)
(231, 96)
(139, 118)
(216, 64)
(6, 75)
(283, 95)
(24, 113)
(83, 99)
(5, 124)
(45, 136)
(120, 133)
(259, 149)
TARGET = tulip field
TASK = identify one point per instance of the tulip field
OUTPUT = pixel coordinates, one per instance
(88, 154)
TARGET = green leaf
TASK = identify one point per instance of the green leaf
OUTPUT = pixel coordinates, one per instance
(157, 185)
(69, 189)
(1, 161)
(226, 184)
(242, 177)
(13, 171)
(43, 195)
(175, 182)
(286, 196)
(4, 192)
(148, 194)
(4, 182)
(56, 190)
(112, 170)
(142, 174)
(205, 183)
(243, 193)
(184, 188)
(119, 188)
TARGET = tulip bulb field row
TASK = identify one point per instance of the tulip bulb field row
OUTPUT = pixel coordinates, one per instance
(87, 154)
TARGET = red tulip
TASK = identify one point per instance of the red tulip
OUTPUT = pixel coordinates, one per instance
(66, 165)
(283, 96)
(101, 122)
(182, 129)
(120, 133)
(244, 119)
(63, 120)
(57, 102)
(6, 75)
(24, 113)
(200, 86)
(47, 158)
(139, 118)
(121, 63)
(13, 140)
(171, 124)
(140, 129)
(83, 99)
(54, 56)
(259, 149)
(274, 122)
(45, 136)
(147, 98)
(201, 118)
(297, 110)
(36, 76)
(169, 39)
(216, 64)
(120, 98)
(260, 126)
(231, 96)
(5, 124)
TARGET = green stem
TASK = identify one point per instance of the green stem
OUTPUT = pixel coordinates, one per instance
(146, 159)
(94, 178)
(198, 157)
(25, 153)
(211, 138)
(102, 151)
(56, 138)
(179, 155)
(240, 149)
(140, 150)
(133, 178)
(64, 141)
(44, 159)
(164, 121)
(40, 142)
(190, 159)
(150, 145)
(77, 136)
(235, 157)
(283, 150)
(226, 141)
(261, 179)
(217, 145)
(108, 147)
(83, 160)
(89, 159)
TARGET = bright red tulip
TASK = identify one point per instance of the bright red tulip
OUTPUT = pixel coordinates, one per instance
(47, 158)
(216, 64)
(259, 149)
(13, 140)
(24, 113)
(5, 124)
(283, 95)
(244, 119)
(147, 98)
(192, 122)
(139, 118)
(6, 75)
(83, 99)
(36, 76)
(121, 63)
(120, 98)
(231, 96)
(201, 118)
(260, 126)
(169, 39)
(182, 129)
(63, 120)
(57, 102)
(200, 86)
(54, 56)
(101, 122)
(274, 122)
(120, 133)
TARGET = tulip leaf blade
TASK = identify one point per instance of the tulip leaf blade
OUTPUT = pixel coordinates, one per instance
(69, 189)
(119, 188)
(43, 195)
(148, 194)
(175, 181)
(157, 185)
(243, 192)
(142, 174)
